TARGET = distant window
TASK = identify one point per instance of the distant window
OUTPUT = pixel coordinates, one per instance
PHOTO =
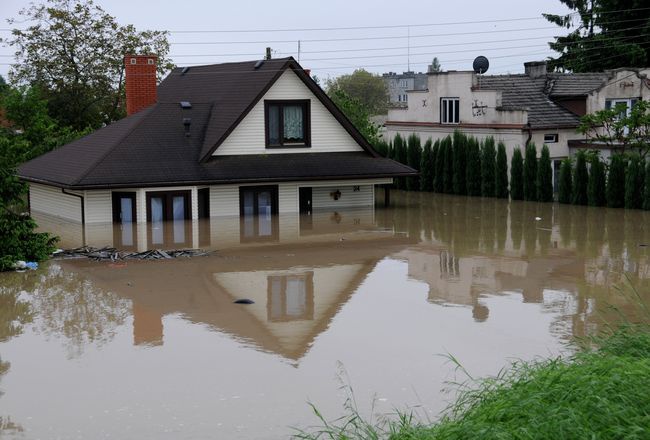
(133, 61)
(150, 61)
(403, 83)
(449, 110)
(625, 104)
(287, 123)
(550, 138)
(402, 98)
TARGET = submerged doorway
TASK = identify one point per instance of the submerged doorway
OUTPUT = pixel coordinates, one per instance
(124, 220)
(167, 215)
(258, 207)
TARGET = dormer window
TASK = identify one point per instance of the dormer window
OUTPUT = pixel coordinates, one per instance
(287, 123)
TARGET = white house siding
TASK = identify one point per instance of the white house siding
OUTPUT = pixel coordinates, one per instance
(327, 134)
(322, 198)
(52, 201)
(224, 199)
(99, 206)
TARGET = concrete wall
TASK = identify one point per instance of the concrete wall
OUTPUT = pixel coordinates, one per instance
(327, 134)
(624, 83)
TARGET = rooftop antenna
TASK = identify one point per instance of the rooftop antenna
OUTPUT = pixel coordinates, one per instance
(298, 51)
(408, 48)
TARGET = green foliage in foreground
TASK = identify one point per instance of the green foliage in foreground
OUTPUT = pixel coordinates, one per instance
(19, 241)
(603, 394)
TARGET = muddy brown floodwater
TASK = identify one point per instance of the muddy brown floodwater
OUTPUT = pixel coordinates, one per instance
(369, 298)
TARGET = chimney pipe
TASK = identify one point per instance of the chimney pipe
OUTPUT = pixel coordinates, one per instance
(268, 53)
(140, 78)
(535, 69)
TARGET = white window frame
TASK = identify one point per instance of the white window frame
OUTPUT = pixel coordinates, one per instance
(550, 138)
(450, 110)
(403, 83)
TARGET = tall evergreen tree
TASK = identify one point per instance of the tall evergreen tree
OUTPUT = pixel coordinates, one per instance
(438, 184)
(400, 156)
(413, 157)
(580, 178)
(517, 175)
(646, 192)
(488, 167)
(616, 182)
(565, 189)
(634, 184)
(502, 172)
(426, 167)
(460, 163)
(448, 160)
(473, 169)
(596, 187)
(530, 172)
(616, 27)
(545, 177)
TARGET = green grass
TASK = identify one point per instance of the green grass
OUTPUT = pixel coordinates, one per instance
(601, 392)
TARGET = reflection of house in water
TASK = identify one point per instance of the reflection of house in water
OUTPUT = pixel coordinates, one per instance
(296, 291)
(214, 232)
(462, 280)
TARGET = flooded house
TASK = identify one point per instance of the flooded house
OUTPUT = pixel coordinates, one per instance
(247, 141)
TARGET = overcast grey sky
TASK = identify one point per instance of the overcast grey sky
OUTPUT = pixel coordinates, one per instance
(508, 32)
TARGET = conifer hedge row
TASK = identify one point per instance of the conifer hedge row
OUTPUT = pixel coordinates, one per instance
(462, 165)
(623, 183)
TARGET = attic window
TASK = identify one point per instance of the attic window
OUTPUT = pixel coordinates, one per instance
(133, 60)
(287, 123)
(186, 105)
(150, 61)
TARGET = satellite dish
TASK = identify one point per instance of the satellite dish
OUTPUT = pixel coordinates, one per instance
(481, 64)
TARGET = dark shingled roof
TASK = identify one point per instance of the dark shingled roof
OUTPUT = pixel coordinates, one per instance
(537, 94)
(574, 84)
(150, 148)
(525, 93)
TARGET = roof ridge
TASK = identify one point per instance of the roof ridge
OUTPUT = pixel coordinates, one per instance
(117, 142)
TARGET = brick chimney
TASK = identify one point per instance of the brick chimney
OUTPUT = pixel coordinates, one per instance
(140, 78)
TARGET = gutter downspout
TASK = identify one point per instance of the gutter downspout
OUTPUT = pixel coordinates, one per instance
(530, 133)
(83, 214)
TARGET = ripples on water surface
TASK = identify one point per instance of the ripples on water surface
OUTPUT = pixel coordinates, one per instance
(157, 349)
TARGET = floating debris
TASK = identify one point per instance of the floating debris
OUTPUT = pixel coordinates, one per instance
(112, 254)
(244, 301)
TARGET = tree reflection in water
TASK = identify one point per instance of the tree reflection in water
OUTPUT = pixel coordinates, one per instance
(60, 304)
(71, 306)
